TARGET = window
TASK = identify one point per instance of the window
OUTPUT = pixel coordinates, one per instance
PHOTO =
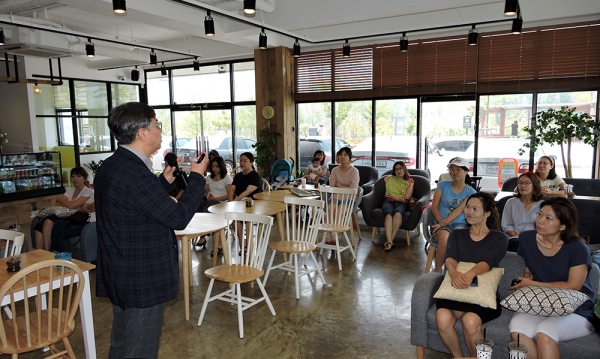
(158, 88)
(210, 84)
(122, 93)
(314, 132)
(243, 81)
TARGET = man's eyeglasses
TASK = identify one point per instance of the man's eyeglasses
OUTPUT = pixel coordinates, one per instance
(522, 183)
(157, 124)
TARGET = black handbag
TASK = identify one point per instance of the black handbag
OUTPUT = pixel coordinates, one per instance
(79, 217)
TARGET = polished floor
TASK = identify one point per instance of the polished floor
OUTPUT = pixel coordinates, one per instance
(362, 312)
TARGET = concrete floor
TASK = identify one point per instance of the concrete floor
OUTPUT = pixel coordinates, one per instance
(362, 312)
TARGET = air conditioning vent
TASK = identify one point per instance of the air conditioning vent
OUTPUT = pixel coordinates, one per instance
(36, 50)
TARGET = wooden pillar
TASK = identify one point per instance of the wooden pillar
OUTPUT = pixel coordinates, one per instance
(274, 72)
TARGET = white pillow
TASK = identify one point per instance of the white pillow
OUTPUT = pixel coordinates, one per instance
(544, 301)
(484, 294)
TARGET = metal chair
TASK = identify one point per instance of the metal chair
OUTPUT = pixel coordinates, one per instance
(244, 267)
(38, 326)
(303, 218)
(341, 201)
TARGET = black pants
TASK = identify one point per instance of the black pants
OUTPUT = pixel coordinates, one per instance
(62, 231)
(135, 332)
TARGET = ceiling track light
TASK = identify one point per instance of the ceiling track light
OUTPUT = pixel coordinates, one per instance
(36, 89)
(196, 64)
(119, 7)
(510, 7)
(163, 69)
(2, 38)
(346, 49)
(517, 26)
(135, 74)
(262, 39)
(90, 50)
(296, 49)
(153, 59)
(403, 43)
(249, 7)
(209, 25)
(473, 36)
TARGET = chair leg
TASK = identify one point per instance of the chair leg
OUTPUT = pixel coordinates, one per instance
(269, 267)
(8, 312)
(407, 237)
(430, 255)
(355, 220)
(337, 249)
(375, 229)
(351, 249)
(420, 352)
(352, 233)
(295, 258)
(264, 293)
(318, 267)
(68, 348)
(206, 299)
(239, 308)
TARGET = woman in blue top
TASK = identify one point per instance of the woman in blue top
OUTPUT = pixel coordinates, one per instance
(448, 206)
(555, 256)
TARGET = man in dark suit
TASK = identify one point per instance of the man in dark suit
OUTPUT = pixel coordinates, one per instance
(138, 266)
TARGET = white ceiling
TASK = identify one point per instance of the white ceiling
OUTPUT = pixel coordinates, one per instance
(167, 24)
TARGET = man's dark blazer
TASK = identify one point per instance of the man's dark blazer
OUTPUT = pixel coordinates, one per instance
(138, 263)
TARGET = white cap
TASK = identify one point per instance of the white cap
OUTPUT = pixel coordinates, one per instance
(460, 162)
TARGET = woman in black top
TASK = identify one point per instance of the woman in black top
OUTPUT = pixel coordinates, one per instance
(246, 183)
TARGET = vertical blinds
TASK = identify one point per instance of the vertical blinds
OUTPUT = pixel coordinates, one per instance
(566, 56)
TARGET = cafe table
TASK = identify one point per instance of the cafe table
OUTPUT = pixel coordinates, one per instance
(290, 186)
(279, 196)
(202, 224)
(85, 303)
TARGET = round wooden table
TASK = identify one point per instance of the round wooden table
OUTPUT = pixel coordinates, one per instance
(279, 196)
(200, 225)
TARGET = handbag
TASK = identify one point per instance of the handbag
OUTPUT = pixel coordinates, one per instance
(79, 217)
(58, 211)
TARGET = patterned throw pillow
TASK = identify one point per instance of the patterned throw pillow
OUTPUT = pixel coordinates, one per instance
(544, 301)
(484, 294)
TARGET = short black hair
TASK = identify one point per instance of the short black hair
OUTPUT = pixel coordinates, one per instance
(126, 120)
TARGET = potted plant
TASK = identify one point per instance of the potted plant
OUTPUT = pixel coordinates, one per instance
(561, 127)
(265, 150)
(94, 166)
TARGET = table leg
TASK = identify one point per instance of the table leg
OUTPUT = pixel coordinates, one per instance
(185, 257)
(224, 246)
(279, 218)
(216, 237)
(87, 319)
(190, 266)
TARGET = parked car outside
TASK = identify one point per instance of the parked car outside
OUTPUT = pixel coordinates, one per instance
(454, 143)
(389, 150)
(158, 157)
(221, 144)
(308, 145)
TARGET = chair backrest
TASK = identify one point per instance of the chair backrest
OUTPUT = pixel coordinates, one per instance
(343, 199)
(510, 184)
(303, 218)
(412, 172)
(14, 242)
(427, 220)
(266, 187)
(359, 197)
(252, 240)
(501, 203)
(38, 326)
(368, 174)
(235, 170)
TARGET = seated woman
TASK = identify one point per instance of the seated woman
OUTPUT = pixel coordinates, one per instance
(552, 184)
(398, 190)
(74, 198)
(246, 183)
(484, 244)
(448, 206)
(555, 256)
(520, 212)
(64, 229)
(345, 176)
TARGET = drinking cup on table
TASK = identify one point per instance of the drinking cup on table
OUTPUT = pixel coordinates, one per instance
(517, 350)
(303, 182)
(484, 348)
(66, 256)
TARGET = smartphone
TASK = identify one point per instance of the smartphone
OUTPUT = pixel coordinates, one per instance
(201, 157)
(474, 283)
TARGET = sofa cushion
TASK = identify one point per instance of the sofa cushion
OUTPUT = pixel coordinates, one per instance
(484, 294)
(544, 301)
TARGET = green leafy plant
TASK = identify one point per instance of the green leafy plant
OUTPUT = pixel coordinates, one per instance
(265, 150)
(94, 166)
(561, 127)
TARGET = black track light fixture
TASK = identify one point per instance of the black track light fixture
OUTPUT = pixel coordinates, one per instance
(2, 38)
(163, 69)
(403, 43)
(153, 59)
(517, 26)
(296, 49)
(196, 64)
(249, 6)
(473, 36)
(135, 74)
(346, 49)
(262, 39)
(209, 25)
(119, 7)
(90, 50)
(510, 7)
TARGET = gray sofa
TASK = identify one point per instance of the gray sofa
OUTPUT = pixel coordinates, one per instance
(424, 332)
(83, 247)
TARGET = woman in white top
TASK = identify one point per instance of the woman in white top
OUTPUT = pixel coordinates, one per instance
(74, 198)
(520, 212)
(552, 184)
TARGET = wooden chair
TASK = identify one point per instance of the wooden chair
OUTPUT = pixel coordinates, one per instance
(12, 243)
(234, 171)
(303, 218)
(39, 327)
(266, 187)
(340, 222)
(245, 267)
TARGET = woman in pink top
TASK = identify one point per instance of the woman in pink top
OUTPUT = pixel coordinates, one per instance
(346, 176)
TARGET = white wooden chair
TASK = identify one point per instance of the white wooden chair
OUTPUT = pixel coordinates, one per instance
(340, 200)
(244, 267)
(12, 243)
(303, 219)
(39, 327)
